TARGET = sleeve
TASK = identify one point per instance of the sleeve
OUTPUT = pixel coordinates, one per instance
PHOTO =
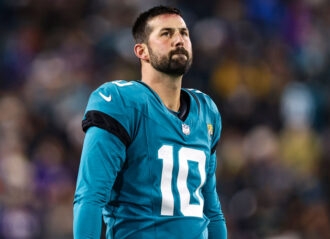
(107, 126)
(212, 208)
(102, 157)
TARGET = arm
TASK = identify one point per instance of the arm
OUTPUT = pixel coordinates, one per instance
(212, 209)
(102, 157)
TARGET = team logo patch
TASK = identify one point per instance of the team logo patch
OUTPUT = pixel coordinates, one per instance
(210, 130)
(185, 129)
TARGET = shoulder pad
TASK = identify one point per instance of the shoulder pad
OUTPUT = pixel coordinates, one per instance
(211, 112)
(205, 100)
(114, 97)
(112, 102)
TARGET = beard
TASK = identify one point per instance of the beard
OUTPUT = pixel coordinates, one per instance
(171, 64)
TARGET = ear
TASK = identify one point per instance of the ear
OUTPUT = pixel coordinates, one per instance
(141, 51)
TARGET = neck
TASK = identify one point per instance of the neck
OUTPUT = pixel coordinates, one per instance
(167, 87)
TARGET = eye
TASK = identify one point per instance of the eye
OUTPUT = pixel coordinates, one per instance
(184, 33)
(165, 33)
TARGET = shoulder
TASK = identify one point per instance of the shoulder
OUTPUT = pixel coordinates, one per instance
(112, 107)
(126, 90)
(116, 95)
(121, 86)
(210, 113)
(205, 101)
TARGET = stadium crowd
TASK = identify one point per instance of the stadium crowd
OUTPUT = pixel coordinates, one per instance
(265, 63)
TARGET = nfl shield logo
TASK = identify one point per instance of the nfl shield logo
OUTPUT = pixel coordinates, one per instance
(185, 129)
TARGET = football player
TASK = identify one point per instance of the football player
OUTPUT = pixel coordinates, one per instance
(148, 161)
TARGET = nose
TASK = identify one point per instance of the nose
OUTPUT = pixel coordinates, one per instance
(178, 40)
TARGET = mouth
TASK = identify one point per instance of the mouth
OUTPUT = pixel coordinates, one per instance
(180, 53)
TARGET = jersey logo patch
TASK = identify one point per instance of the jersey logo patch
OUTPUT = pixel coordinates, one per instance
(106, 98)
(210, 130)
(185, 129)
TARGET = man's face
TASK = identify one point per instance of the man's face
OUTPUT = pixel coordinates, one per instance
(169, 45)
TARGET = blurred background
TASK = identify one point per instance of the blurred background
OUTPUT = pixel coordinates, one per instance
(266, 63)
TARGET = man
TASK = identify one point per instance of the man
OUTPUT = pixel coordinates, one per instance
(148, 161)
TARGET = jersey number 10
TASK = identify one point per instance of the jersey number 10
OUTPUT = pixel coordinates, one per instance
(185, 154)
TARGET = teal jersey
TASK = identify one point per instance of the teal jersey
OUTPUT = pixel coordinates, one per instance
(148, 170)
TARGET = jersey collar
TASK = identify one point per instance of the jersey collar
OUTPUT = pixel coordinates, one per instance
(185, 101)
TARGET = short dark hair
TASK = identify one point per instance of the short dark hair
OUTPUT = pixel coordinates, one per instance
(140, 28)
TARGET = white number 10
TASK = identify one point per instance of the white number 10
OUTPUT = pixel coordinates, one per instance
(185, 154)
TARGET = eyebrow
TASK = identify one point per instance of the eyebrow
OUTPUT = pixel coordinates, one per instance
(172, 28)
